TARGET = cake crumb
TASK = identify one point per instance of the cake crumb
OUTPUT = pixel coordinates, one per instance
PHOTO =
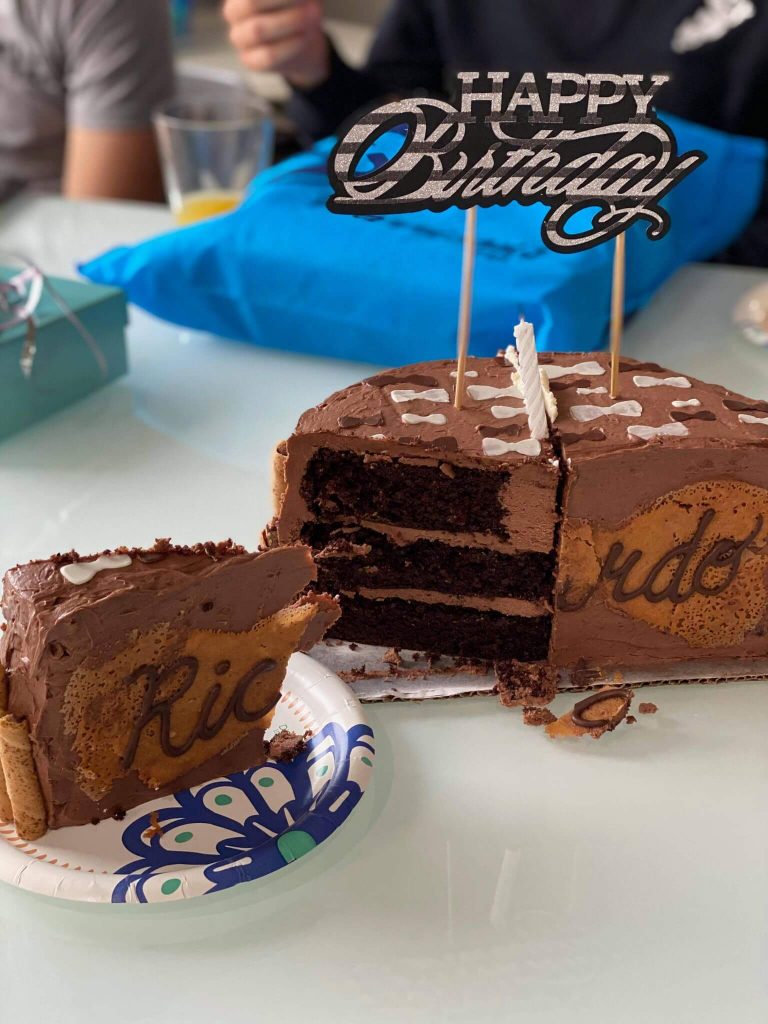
(286, 745)
(155, 828)
(392, 656)
(596, 714)
(352, 675)
(525, 683)
(447, 468)
(647, 708)
(163, 546)
(630, 719)
(471, 667)
(538, 716)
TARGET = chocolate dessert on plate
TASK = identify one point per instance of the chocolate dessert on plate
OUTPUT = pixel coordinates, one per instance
(140, 672)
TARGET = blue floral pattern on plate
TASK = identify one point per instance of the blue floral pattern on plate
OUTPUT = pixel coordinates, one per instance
(247, 825)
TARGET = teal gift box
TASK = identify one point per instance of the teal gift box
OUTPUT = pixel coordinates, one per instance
(64, 367)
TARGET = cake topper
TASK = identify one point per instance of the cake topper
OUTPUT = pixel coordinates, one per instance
(589, 147)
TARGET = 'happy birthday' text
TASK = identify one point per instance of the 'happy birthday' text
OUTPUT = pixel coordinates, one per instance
(570, 141)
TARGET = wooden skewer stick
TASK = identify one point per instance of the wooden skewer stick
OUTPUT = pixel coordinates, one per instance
(465, 302)
(617, 310)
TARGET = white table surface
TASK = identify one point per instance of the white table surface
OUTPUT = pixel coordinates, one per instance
(489, 875)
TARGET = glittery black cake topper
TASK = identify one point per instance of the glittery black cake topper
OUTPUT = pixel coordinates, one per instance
(573, 142)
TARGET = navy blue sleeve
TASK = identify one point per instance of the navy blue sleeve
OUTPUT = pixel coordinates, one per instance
(751, 247)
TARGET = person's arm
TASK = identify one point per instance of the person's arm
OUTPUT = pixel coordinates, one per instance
(287, 36)
(118, 68)
(111, 164)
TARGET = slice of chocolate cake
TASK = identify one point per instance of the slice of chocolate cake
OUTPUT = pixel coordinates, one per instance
(643, 521)
(664, 538)
(435, 526)
(140, 672)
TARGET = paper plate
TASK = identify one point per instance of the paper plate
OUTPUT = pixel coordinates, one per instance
(231, 830)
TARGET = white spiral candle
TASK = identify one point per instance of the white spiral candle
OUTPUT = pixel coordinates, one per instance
(530, 380)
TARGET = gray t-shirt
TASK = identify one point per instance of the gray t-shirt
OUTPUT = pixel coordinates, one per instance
(102, 64)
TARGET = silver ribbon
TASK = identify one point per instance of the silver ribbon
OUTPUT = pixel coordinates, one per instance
(20, 296)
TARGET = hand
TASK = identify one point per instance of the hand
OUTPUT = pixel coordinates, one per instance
(280, 35)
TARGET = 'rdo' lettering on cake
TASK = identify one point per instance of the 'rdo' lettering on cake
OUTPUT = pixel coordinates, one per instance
(207, 725)
(693, 564)
(724, 555)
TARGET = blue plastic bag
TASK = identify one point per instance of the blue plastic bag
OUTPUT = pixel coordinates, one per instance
(282, 271)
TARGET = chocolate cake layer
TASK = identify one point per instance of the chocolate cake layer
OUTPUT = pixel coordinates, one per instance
(442, 629)
(349, 557)
(394, 450)
(150, 670)
(344, 483)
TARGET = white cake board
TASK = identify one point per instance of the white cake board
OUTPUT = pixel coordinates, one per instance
(374, 674)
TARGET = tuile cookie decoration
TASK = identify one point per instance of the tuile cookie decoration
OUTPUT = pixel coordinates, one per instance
(22, 798)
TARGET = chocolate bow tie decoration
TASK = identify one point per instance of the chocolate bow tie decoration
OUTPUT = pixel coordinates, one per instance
(575, 142)
(20, 297)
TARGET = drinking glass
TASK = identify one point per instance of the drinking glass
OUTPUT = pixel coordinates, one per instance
(210, 148)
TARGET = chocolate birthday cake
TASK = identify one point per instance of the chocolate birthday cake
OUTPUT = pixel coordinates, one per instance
(140, 672)
(634, 537)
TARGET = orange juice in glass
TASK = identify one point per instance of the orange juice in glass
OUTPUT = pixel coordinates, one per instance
(210, 148)
(206, 203)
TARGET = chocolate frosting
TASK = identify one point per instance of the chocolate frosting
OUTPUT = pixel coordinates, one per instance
(709, 413)
(716, 416)
(369, 413)
(46, 615)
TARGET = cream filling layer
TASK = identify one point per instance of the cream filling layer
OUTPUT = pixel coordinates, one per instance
(503, 605)
(402, 535)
